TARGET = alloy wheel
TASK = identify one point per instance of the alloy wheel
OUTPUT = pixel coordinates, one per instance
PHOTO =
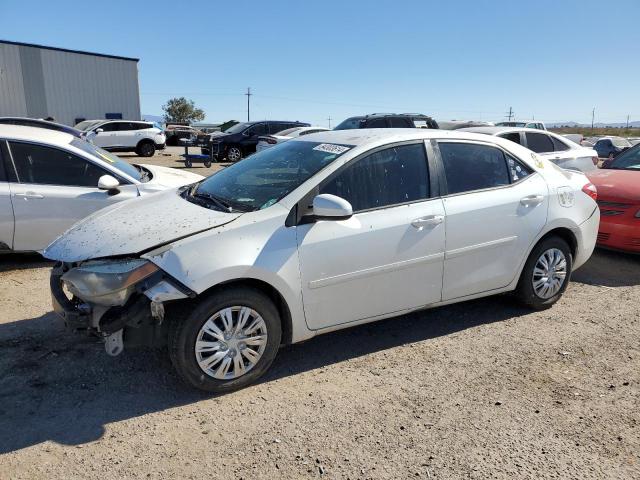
(234, 154)
(231, 342)
(550, 273)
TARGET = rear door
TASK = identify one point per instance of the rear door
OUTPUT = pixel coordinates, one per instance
(388, 256)
(51, 189)
(495, 206)
(6, 207)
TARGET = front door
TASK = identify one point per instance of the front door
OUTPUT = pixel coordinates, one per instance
(108, 136)
(51, 190)
(495, 206)
(388, 257)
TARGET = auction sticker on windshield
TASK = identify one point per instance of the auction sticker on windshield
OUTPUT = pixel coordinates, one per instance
(331, 148)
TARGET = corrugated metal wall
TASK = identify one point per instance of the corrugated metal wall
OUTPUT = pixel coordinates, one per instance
(39, 82)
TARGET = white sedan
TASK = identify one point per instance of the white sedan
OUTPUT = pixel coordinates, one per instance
(268, 141)
(49, 180)
(555, 148)
(321, 233)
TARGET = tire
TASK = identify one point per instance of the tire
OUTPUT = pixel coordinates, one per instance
(234, 154)
(188, 163)
(184, 333)
(146, 148)
(207, 163)
(546, 294)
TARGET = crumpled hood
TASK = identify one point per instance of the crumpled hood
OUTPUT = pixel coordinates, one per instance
(130, 227)
(616, 185)
(165, 177)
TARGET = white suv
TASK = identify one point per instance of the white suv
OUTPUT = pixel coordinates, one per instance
(320, 233)
(124, 136)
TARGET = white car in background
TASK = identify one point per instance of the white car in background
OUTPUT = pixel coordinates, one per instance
(267, 141)
(525, 124)
(144, 138)
(49, 180)
(633, 140)
(320, 233)
(555, 148)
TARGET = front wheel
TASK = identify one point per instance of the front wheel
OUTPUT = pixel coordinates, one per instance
(546, 274)
(234, 154)
(227, 342)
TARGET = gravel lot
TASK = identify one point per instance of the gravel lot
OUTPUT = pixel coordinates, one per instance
(483, 389)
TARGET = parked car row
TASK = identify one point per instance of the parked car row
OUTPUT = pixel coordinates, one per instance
(144, 138)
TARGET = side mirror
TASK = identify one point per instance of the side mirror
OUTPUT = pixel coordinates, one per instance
(331, 207)
(98, 130)
(247, 133)
(607, 162)
(109, 183)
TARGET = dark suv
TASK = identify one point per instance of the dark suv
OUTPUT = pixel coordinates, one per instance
(388, 120)
(241, 139)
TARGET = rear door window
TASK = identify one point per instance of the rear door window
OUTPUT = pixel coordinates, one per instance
(470, 167)
(391, 176)
(539, 142)
(400, 122)
(42, 165)
(513, 136)
(559, 145)
(376, 123)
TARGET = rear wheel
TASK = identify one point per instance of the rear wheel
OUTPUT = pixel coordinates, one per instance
(546, 274)
(146, 149)
(227, 342)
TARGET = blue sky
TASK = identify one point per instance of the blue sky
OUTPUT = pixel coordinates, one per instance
(308, 61)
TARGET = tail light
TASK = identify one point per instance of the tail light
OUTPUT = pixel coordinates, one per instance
(591, 190)
(595, 160)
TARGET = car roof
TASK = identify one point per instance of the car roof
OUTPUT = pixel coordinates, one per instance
(371, 136)
(35, 134)
(497, 130)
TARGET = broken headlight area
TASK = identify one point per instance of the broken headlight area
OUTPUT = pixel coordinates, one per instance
(110, 296)
(107, 282)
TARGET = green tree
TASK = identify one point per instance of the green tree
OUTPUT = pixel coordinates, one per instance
(181, 110)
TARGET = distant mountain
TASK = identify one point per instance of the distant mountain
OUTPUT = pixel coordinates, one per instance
(634, 124)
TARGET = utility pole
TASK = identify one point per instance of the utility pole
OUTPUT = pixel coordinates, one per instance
(627, 122)
(510, 114)
(329, 119)
(248, 94)
(593, 116)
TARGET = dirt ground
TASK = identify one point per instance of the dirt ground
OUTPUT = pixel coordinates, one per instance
(483, 389)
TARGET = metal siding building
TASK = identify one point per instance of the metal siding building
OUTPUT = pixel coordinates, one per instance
(38, 82)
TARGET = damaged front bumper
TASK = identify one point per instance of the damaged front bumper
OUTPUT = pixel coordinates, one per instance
(141, 306)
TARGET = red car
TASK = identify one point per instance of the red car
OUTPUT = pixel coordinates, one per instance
(618, 184)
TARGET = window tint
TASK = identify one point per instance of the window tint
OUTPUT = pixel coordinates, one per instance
(559, 145)
(3, 177)
(278, 127)
(517, 170)
(376, 123)
(258, 129)
(50, 166)
(388, 177)
(349, 123)
(513, 136)
(539, 142)
(109, 127)
(473, 167)
(401, 122)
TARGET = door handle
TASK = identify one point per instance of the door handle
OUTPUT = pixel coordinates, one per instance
(33, 195)
(427, 221)
(532, 200)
